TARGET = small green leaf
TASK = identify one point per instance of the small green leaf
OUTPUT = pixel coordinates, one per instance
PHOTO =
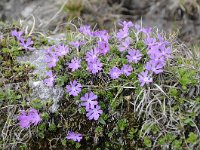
(192, 138)
(147, 141)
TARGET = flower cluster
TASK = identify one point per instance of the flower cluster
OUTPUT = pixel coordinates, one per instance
(151, 60)
(89, 100)
(158, 52)
(26, 44)
(94, 64)
(52, 56)
(115, 72)
(26, 119)
(123, 36)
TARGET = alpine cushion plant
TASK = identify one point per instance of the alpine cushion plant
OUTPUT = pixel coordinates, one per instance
(123, 90)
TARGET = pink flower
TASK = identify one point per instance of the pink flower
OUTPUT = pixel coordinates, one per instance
(27, 45)
(61, 50)
(134, 55)
(103, 47)
(74, 88)
(74, 136)
(75, 64)
(34, 116)
(144, 78)
(115, 73)
(126, 69)
(89, 100)
(18, 35)
(25, 120)
(95, 66)
(94, 113)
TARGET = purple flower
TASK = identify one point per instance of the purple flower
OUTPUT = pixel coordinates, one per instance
(134, 55)
(75, 64)
(166, 52)
(122, 33)
(94, 113)
(61, 50)
(34, 116)
(126, 69)
(49, 81)
(138, 28)
(27, 45)
(125, 44)
(85, 30)
(147, 31)
(144, 78)
(150, 41)
(16, 34)
(51, 60)
(154, 66)
(158, 58)
(89, 100)
(24, 120)
(115, 73)
(77, 44)
(92, 55)
(74, 136)
(74, 88)
(103, 47)
(102, 35)
(95, 66)
(126, 24)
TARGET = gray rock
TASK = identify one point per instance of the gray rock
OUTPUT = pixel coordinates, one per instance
(39, 89)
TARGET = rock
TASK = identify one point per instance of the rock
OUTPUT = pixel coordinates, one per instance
(39, 89)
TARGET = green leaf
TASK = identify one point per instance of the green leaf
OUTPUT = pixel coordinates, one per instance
(192, 138)
(63, 141)
(177, 144)
(102, 121)
(122, 124)
(147, 141)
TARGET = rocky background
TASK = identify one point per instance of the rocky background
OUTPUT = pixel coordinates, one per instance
(170, 15)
